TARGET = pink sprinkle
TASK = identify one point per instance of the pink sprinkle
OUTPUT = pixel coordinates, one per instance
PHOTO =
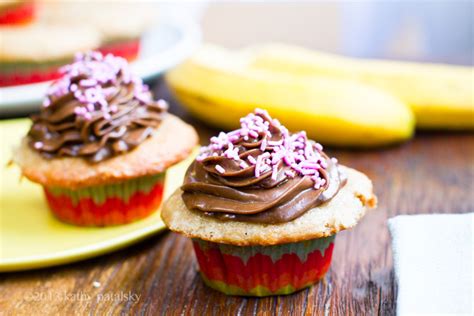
(220, 169)
(233, 138)
(162, 103)
(254, 134)
(263, 146)
(88, 82)
(201, 157)
(274, 172)
(262, 112)
(243, 165)
(290, 173)
(324, 164)
(38, 145)
(298, 144)
(310, 165)
(275, 143)
(264, 168)
(77, 94)
(288, 160)
(318, 183)
(258, 165)
(307, 172)
(252, 160)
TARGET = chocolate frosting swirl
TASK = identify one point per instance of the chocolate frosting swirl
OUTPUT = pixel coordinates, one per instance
(225, 188)
(95, 112)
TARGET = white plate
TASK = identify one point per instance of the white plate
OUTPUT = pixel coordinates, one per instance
(163, 47)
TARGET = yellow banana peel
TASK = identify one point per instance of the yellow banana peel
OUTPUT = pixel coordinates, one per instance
(441, 96)
(219, 87)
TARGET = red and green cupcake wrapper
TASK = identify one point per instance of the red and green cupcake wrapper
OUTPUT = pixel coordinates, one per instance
(18, 14)
(127, 49)
(23, 72)
(263, 270)
(107, 205)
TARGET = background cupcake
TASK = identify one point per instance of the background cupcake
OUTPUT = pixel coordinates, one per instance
(35, 52)
(17, 12)
(120, 25)
(101, 144)
(263, 207)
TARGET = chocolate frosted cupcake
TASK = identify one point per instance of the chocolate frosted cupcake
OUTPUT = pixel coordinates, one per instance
(101, 144)
(263, 206)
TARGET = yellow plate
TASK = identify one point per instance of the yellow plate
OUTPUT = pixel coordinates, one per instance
(31, 237)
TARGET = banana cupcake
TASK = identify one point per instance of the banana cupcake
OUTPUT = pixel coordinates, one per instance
(100, 145)
(35, 52)
(263, 205)
(120, 24)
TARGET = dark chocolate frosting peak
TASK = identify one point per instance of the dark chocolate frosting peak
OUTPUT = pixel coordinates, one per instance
(260, 173)
(96, 110)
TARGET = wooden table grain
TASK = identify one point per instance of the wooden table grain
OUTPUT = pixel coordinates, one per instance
(433, 173)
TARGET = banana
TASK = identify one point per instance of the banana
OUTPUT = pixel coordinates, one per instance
(441, 96)
(219, 87)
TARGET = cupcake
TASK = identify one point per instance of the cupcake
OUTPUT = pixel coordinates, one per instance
(263, 205)
(120, 25)
(16, 12)
(100, 144)
(35, 52)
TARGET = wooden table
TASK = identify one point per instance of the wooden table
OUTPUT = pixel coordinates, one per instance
(433, 173)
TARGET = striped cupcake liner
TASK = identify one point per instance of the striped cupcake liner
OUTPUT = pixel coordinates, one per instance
(23, 72)
(18, 73)
(263, 270)
(106, 205)
(128, 48)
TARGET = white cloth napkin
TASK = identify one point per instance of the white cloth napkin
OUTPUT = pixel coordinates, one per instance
(432, 256)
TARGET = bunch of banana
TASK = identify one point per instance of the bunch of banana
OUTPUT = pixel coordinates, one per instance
(441, 96)
(219, 87)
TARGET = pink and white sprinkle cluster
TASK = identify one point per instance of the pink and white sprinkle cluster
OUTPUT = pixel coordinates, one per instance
(93, 78)
(303, 156)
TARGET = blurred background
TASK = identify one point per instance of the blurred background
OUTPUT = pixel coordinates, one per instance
(412, 30)
(36, 37)
(436, 30)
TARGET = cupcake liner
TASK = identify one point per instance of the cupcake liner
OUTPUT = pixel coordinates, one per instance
(106, 205)
(263, 270)
(18, 73)
(17, 14)
(127, 49)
